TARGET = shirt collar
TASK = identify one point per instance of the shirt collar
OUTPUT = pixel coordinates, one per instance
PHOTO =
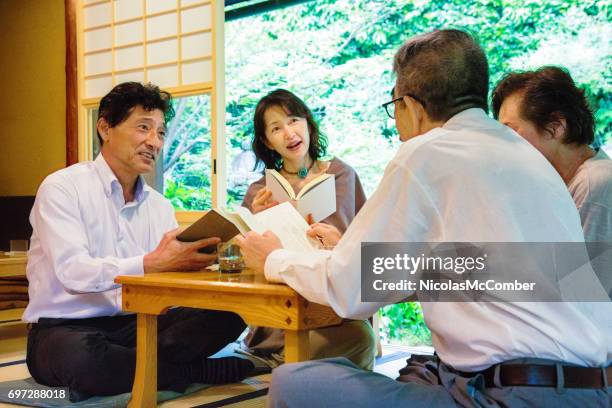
(601, 155)
(466, 117)
(110, 181)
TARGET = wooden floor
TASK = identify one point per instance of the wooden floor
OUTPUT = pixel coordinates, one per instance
(249, 393)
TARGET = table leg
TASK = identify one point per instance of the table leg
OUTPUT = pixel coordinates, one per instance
(297, 346)
(144, 390)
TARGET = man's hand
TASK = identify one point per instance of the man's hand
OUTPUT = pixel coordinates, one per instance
(173, 255)
(255, 248)
(327, 234)
(262, 201)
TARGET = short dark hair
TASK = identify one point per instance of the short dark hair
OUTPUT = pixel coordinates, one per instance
(446, 69)
(293, 106)
(549, 94)
(116, 106)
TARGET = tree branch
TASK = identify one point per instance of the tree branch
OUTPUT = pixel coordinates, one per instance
(355, 32)
(196, 111)
(178, 152)
(177, 117)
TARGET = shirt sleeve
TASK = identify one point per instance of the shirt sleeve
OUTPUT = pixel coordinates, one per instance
(170, 220)
(62, 236)
(596, 221)
(400, 210)
(597, 224)
(360, 197)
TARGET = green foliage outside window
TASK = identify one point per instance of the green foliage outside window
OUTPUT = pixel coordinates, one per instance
(403, 323)
(186, 157)
(337, 56)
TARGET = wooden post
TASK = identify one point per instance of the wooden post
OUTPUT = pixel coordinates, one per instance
(144, 392)
(72, 125)
(297, 346)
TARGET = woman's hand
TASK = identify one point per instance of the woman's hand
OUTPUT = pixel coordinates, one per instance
(262, 201)
(327, 234)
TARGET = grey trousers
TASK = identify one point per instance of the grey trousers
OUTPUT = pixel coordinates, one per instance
(337, 382)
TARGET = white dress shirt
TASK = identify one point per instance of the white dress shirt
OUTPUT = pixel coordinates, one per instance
(84, 235)
(591, 188)
(472, 180)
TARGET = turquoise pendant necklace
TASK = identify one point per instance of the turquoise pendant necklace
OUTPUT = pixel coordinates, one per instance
(302, 171)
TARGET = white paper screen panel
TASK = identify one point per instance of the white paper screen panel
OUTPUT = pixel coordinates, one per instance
(162, 26)
(198, 71)
(129, 33)
(137, 76)
(97, 15)
(196, 18)
(162, 52)
(164, 77)
(197, 45)
(99, 63)
(167, 42)
(157, 6)
(189, 2)
(126, 9)
(98, 86)
(99, 39)
(128, 58)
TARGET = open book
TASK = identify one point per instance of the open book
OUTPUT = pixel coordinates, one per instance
(282, 219)
(317, 197)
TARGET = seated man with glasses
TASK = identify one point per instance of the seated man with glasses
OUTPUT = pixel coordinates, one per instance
(459, 176)
(390, 106)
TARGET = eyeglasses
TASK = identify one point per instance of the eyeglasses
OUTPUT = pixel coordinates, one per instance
(390, 106)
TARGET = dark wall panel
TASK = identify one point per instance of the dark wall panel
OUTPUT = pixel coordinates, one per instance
(14, 224)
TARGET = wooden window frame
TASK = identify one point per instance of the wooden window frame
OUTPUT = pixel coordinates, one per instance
(78, 121)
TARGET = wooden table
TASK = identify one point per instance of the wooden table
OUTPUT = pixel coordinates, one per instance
(13, 265)
(248, 294)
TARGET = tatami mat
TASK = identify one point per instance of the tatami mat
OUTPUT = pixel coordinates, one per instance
(254, 387)
(13, 367)
(12, 343)
(221, 395)
(250, 393)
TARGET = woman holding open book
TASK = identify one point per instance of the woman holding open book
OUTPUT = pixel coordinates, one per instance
(287, 140)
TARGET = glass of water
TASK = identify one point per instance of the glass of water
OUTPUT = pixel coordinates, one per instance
(230, 258)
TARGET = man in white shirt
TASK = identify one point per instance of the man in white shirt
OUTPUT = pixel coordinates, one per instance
(547, 108)
(459, 177)
(94, 221)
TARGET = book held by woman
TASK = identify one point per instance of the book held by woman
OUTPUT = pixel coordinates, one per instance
(317, 197)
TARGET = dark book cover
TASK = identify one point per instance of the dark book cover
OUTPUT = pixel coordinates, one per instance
(212, 224)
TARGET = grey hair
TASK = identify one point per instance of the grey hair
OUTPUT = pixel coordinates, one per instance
(446, 69)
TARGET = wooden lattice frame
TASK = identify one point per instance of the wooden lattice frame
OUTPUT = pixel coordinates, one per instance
(80, 146)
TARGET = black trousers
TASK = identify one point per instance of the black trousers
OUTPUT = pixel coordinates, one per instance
(97, 356)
